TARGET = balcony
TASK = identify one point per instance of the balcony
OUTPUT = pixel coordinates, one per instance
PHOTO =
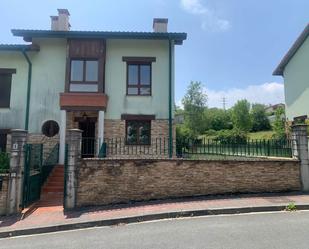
(83, 101)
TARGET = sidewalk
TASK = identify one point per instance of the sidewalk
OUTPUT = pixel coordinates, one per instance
(53, 218)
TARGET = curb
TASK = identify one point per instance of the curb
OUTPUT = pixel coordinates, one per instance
(149, 217)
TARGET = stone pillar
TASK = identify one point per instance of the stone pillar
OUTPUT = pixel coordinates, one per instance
(62, 136)
(300, 151)
(100, 131)
(17, 161)
(73, 140)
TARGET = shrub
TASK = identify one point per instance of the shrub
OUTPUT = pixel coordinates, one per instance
(4, 162)
(232, 136)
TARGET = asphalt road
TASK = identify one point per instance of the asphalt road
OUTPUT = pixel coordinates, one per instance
(263, 230)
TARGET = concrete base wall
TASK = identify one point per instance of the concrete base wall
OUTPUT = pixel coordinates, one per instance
(4, 194)
(107, 181)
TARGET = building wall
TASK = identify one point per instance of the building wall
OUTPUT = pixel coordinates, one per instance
(48, 81)
(115, 78)
(296, 82)
(14, 117)
(4, 194)
(103, 182)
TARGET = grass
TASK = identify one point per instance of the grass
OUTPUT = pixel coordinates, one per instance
(261, 135)
(291, 207)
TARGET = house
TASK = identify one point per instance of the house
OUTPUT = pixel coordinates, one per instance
(294, 69)
(271, 111)
(108, 84)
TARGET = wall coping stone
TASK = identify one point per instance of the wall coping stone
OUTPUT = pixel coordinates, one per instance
(194, 160)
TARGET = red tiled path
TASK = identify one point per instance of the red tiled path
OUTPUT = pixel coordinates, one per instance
(54, 215)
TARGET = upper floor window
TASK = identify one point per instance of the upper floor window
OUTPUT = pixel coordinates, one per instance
(5, 87)
(139, 75)
(139, 79)
(84, 75)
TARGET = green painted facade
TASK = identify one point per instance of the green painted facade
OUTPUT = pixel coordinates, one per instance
(296, 83)
(115, 79)
(48, 80)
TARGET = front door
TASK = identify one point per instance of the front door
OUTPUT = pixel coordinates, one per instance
(88, 137)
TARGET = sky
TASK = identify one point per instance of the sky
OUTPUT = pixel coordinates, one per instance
(233, 46)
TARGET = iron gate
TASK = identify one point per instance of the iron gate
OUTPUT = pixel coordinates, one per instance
(32, 173)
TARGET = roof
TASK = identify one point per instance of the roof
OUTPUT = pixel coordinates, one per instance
(178, 38)
(18, 47)
(297, 44)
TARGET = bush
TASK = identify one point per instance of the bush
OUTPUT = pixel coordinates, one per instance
(4, 162)
(232, 136)
(211, 133)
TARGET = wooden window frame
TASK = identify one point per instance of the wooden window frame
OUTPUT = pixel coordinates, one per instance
(139, 85)
(100, 57)
(138, 140)
(10, 72)
(84, 82)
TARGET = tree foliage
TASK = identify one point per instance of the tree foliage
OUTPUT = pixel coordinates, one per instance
(241, 116)
(260, 122)
(218, 119)
(194, 103)
(279, 123)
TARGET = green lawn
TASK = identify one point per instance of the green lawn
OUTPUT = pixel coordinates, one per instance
(261, 135)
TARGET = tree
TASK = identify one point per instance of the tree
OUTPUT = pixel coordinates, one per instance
(260, 121)
(218, 119)
(279, 124)
(194, 103)
(241, 115)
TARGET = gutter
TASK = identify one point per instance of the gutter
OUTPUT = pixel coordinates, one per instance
(170, 120)
(28, 88)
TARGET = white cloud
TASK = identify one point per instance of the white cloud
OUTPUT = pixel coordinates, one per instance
(267, 93)
(209, 19)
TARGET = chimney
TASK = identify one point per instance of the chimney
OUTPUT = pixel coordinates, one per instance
(61, 22)
(54, 22)
(160, 25)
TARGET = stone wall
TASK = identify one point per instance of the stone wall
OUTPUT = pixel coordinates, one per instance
(108, 181)
(4, 193)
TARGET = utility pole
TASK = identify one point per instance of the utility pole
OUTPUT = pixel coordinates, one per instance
(224, 103)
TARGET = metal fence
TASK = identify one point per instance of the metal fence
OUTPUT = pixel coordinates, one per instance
(248, 148)
(186, 148)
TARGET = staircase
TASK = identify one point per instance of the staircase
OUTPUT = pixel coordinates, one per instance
(52, 190)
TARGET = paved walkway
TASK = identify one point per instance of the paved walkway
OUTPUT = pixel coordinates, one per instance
(50, 216)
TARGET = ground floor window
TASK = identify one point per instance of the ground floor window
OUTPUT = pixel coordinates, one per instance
(138, 132)
(3, 138)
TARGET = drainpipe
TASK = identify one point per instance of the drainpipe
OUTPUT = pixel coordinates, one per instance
(28, 89)
(170, 120)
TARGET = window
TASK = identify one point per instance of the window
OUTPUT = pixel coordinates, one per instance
(50, 128)
(84, 75)
(138, 132)
(3, 140)
(139, 78)
(5, 87)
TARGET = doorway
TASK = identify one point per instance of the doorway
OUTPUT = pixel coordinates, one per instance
(88, 137)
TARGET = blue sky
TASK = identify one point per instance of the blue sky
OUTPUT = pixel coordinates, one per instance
(232, 47)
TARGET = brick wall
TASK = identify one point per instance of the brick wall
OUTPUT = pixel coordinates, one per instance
(115, 129)
(116, 181)
(4, 193)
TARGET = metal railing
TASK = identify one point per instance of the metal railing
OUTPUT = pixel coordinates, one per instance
(248, 148)
(186, 148)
